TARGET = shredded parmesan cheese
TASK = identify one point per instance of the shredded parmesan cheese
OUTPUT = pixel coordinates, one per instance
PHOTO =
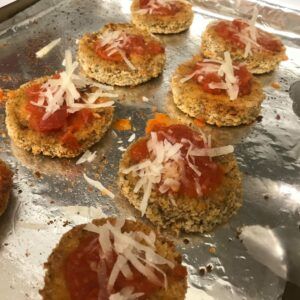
(56, 92)
(115, 41)
(45, 50)
(98, 185)
(166, 165)
(150, 171)
(248, 35)
(212, 152)
(134, 250)
(231, 81)
(122, 149)
(224, 69)
(131, 138)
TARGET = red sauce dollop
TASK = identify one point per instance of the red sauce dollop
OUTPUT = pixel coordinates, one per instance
(170, 10)
(243, 75)
(211, 173)
(229, 31)
(87, 275)
(59, 121)
(136, 45)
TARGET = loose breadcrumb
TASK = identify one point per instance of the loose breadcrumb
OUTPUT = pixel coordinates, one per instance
(276, 85)
(122, 125)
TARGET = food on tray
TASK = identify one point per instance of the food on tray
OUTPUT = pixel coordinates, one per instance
(177, 179)
(259, 50)
(122, 124)
(60, 115)
(221, 92)
(114, 259)
(121, 54)
(5, 186)
(162, 16)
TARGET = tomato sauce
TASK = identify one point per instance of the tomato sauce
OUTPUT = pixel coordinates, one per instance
(169, 10)
(211, 173)
(135, 45)
(87, 275)
(230, 31)
(243, 75)
(60, 121)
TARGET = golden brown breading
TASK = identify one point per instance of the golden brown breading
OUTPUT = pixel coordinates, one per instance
(5, 186)
(263, 61)
(50, 144)
(200, 214)
(55, 285)
(179, 22)
(118, 73)
(214, 109)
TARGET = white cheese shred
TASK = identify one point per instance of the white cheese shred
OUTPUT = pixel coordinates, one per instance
(116, 40)
(98, 185)
(45, 50)
(231, 81)
(122, 149)
(131, 138)
(87, 156)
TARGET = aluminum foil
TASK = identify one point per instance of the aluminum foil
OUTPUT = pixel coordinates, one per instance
(50, 195)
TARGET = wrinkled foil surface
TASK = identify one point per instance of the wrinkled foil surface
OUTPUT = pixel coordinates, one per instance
(50, 195)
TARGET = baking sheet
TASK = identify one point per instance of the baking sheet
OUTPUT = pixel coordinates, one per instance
(50, 195)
